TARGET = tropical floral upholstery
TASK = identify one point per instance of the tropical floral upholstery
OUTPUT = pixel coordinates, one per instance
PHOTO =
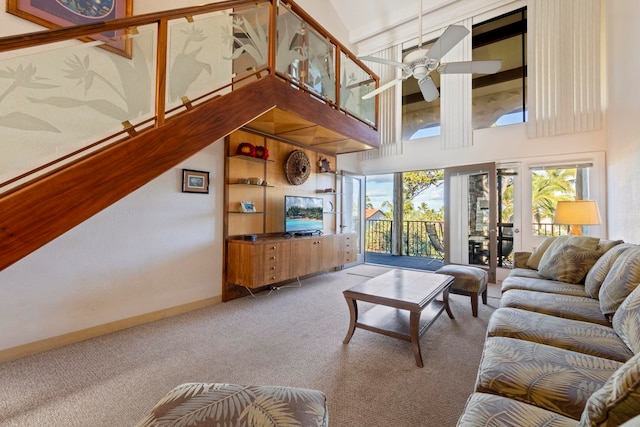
(484, 409)
(584, 242)
(562, 354)
(574, 335)
(619, 400)
(626, 321)
(622, 278)
(569, 264)
(541, 375)
(566, 306)
(216, 404)
(599, 271)
(536, 255)
(541, 284)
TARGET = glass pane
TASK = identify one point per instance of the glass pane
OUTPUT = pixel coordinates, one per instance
(379, 213)
(199, 63)
(506, 182)
(500, 99)
(354, 84)
(551, 185)
(420, 119)
(57, 101)
(305, 56)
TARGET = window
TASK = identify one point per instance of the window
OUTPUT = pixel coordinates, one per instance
(500, 99)
(551, 184)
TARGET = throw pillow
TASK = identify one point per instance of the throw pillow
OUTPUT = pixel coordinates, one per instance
(605, 245)
(626, 321)
(596, 275)
(569, 264)
(618, 400)
(621, 280)
(580, 241)
(534, 259)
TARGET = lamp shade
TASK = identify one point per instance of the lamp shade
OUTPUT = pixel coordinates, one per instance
(577, 212)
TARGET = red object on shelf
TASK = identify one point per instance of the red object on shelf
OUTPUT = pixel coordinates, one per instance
(246, 149)
(262, 152)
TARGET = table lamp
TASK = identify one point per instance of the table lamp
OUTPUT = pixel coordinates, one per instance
(577, 213)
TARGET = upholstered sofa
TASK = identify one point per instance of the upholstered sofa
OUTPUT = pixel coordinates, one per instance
(563, 349)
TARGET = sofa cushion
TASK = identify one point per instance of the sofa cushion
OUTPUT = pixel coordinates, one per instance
(622, 278)
(568, 263)
(548, 377)
(626, 321)
(599, 271)
(542, 285)
(585, 242)
(566, 306)
(574, 335)
(534, 258)
(525, 272)
(484, 409)
(618, 400)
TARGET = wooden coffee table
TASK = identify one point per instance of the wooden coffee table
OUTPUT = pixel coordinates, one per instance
(406, 305)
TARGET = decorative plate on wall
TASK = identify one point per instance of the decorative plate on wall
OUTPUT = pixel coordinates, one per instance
(297, 167)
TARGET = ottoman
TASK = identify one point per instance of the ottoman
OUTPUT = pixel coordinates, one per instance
(470, 281)
(220, 404)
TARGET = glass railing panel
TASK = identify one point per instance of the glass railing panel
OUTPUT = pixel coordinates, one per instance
(58, 100)
(207, 52)
(355, 82)
(305, 56)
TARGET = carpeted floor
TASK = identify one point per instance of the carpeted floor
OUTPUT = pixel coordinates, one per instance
(291, 337)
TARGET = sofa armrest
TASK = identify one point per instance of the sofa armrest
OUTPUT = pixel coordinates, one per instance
(520, 259)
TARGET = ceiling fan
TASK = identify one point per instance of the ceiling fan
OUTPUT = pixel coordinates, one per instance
(421, 62)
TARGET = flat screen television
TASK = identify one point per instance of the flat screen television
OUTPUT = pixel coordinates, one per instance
(302, 214)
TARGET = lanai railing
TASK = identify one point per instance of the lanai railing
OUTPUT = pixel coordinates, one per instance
(61, 99)
(415, 239)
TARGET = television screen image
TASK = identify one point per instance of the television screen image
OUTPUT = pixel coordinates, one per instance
(302, 214)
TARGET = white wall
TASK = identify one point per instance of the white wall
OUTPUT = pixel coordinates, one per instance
(623, 115)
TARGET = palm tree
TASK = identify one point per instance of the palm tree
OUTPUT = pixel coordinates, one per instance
(549, 187)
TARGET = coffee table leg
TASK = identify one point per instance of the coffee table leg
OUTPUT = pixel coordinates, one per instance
(445, 299)
(353, 314)
(414, 332)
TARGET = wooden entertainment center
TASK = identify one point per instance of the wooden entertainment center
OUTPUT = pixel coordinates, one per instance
(274, 256)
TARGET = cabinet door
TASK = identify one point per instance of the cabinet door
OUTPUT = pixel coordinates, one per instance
(306, 255)
(330, 250)
(243, 262)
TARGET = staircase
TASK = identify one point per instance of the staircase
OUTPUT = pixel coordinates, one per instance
(39, 209)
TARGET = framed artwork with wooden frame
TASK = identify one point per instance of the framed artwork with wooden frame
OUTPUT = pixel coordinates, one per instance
(195, 181)
(64, 13)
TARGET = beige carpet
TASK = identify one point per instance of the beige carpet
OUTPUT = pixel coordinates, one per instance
(292, 337)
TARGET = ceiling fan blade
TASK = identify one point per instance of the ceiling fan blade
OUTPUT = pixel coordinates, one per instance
(451, 37)
(428, 89)
(382, 61)
(382, 88)
(480, 67)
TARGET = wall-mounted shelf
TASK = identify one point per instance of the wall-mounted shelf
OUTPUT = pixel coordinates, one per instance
(246, 213)
(252, 185)
(250, 158)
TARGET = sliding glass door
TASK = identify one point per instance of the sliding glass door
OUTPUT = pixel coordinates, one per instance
(470, 216)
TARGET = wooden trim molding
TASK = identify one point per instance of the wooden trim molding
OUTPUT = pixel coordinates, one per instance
(107, 328)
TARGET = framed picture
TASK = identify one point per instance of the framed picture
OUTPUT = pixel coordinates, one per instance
(195, 181)
(65, 13)
(248, 207)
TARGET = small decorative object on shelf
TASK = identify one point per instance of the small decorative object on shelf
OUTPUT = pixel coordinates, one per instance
(329, 190)
(247, 207)
(262, 152)
(243, 181)
(246, 149)
(329, 206)
(324, 165)
(255, 181)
